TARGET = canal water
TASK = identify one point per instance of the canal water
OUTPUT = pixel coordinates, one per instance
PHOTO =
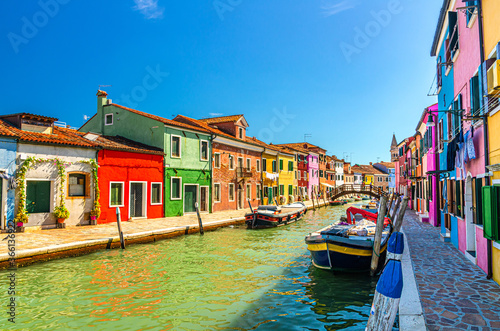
(229, 279)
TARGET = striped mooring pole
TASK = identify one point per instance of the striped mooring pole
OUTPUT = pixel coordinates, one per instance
(389, 287)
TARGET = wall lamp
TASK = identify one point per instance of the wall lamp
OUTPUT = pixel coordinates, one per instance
(430, 120)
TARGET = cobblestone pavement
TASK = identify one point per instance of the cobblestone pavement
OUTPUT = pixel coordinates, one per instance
(454, 292)
(42, 238)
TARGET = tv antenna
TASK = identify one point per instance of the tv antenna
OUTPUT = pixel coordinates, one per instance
(104, 86)
(307, 135)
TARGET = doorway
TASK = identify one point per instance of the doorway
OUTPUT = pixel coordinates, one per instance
(190, 198)
(137, 199)
(204, 198)
(240, 196)
(470, 227)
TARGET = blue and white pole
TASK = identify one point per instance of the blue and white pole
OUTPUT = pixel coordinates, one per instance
(389, 287)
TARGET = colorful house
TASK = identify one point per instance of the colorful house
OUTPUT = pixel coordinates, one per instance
(130, 178)
(236, 162)
(187, 152)
(490, 74)
(348, 174)
(8, 149)
(55, 168)
(389, 169)
(287, 175)
(330, 172)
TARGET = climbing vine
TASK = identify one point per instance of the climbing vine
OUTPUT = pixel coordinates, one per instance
(61, 210)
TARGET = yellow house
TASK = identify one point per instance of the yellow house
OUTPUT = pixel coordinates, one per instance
(287, 166)
(491, 17)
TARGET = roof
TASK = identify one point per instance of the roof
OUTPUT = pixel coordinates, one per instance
(59, 136)
(305, 146)
(388, 165)
(441, 19)
(124, 144)
(366, 169)
(222, 119)
(160, 119)
(29, 115)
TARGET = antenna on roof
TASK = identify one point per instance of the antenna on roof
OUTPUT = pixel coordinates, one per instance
(307, 135)
(104, 86)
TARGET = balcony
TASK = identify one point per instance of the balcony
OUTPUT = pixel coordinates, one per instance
(242, 172)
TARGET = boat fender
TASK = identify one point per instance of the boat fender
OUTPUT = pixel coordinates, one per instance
(288, 218)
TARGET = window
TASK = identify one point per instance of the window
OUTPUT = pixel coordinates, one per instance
(175, 146)
(249, 191)
(266, 190)
(259, 192)
(282, 189)
(290, 189)
(78, 185)
(231, 192)
(204, 150)
(156, 193)
(240, 131)
(299, 178)
(274, 166)
(453, 33)
(474, 93)
(217, 160)
(470, 12)
(175, 188)
(108, 119)
(321, 173)
(249, 165)
(477, 200)
(441, 135)
(258, 165)
(240, 162)
(275, 190)
(116, 194)
(290, 165)
(281, 164)
(264, 164)
(231, 162)
(217, 192)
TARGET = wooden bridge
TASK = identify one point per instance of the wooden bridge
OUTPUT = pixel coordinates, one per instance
(357, 189)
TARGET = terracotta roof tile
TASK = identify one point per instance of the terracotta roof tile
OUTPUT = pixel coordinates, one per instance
(221, 119)
(124, 144)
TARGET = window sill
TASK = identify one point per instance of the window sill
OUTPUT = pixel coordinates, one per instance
(119, 206)
(156, 204)
(175, 199)
(78, 197)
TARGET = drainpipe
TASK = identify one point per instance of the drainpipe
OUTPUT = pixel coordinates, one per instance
(485, 127)
(436, 168)
(210, 191)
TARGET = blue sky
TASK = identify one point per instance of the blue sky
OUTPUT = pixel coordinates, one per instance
(349, 73)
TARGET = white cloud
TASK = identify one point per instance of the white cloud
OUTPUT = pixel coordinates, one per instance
(333, 9)
(149, 8)
(215, 114)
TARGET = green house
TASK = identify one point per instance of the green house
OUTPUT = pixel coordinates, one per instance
(187, 149)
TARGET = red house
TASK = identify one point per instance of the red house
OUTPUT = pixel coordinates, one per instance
(130, 178)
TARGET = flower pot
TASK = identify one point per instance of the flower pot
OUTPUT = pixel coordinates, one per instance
(61, 220)
(93, 218)
(20, 224)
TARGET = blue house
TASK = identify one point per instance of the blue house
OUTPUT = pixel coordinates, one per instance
(390, 169)
(445, 50)
(8, 149)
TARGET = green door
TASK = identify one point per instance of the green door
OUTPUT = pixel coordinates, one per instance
(190, 198)
(37, 196)
(270, 195)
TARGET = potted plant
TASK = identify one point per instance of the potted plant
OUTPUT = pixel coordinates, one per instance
(61, 213)
(21, 218)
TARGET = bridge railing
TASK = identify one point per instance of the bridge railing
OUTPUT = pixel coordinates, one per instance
(358, 188)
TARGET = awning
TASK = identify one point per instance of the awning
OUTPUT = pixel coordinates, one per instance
(328, 185)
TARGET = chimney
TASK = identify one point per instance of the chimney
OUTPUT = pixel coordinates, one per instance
(102, 100)
(371, 163)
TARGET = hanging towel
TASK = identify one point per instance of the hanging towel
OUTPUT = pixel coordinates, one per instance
(471, 151)
(445, 196)
(466, 154)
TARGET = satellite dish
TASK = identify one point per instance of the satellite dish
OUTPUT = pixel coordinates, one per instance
(85, 117)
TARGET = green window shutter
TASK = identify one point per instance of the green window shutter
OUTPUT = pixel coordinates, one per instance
(264, 164)
(281, 164)
(490, 213)
(290, 190)
(38, 196)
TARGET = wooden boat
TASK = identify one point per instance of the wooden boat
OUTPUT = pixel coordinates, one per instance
(337, 203)
(358, 198)
(339, 247)
(273, 216)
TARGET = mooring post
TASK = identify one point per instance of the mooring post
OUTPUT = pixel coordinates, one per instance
(119, 223)
(395, 209)
(312, 199)
(250, 205)
(199, 218)
(254, 214)
(389, 206)
(276, 202)
(389, 288)
(378, 235)
(400, 215)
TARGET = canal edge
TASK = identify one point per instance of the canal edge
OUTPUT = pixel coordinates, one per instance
(411, 314)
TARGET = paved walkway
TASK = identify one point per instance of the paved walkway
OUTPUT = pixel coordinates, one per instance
(455, 293)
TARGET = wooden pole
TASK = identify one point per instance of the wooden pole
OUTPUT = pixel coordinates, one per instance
(250, 205)
(390, 205)
(400, 215)
(199, 219)
(119, 223)
(395, 209)
(312, 199)
(378, 234)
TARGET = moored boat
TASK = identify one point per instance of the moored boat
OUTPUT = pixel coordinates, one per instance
(273, 216)
(337, 203)
(344, 247)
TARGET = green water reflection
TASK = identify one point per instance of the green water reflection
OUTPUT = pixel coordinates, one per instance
(230, 279)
